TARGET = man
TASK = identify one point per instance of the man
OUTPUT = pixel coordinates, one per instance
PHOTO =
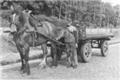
(74, 31)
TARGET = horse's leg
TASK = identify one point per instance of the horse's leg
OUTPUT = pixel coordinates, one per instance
(44, 60)
(54, 54)
(26, 58)
(20, 50)
(59, 53)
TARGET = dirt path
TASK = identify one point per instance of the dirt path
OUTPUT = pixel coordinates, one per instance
(99, 68)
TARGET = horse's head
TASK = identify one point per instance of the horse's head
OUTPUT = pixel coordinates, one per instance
(18, 21)
(14, 18)
(11, 20)
(14, 14)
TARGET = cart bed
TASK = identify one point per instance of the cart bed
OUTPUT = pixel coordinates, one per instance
(98, 36)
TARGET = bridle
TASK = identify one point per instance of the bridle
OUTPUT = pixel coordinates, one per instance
(13, 23)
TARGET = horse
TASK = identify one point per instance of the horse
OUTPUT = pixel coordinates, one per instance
(26, 36)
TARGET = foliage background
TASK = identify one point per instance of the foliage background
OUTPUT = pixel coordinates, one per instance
(92, 13)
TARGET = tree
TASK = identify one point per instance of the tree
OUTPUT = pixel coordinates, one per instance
(88, 11)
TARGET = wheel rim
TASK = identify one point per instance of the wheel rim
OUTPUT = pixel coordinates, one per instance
(105, 47)
(87, 51)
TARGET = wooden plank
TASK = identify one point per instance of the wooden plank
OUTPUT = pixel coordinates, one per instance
(98, 36)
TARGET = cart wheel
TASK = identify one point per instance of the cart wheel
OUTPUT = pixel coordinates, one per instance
(86, 52)
(104, 48)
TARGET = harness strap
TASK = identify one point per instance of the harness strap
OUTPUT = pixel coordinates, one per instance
(34, 38)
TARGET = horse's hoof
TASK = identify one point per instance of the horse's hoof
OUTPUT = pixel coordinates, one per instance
(54, 67)
(59, 58)
(74, 66)
(69, 65)
(55, 64)
(28, 73)
(42, 66)
(22, 71)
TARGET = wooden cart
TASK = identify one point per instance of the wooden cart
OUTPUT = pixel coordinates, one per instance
(87, 42)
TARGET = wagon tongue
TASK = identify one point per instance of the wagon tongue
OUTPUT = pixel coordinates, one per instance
(50, 39)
